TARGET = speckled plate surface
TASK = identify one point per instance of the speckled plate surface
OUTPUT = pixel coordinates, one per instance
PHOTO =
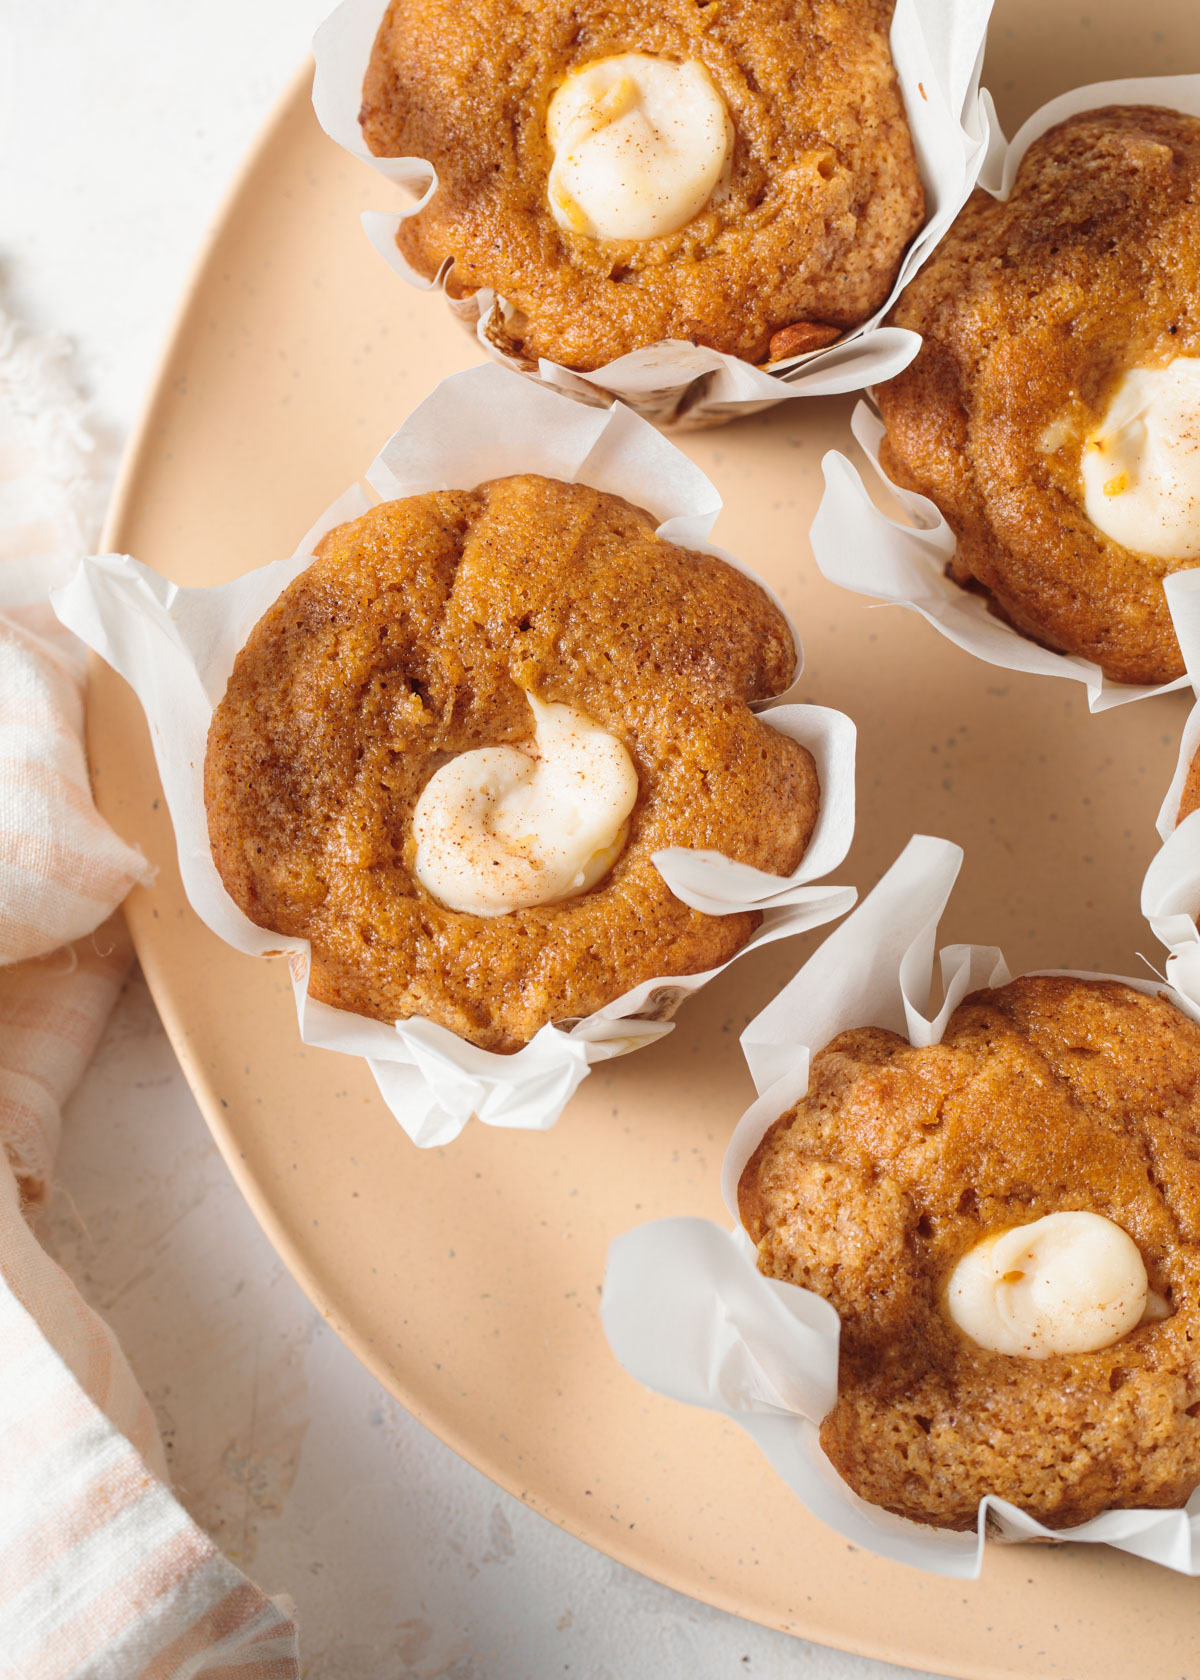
(467, 1278)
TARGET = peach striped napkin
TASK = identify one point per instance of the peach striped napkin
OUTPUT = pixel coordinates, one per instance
(103, 1575)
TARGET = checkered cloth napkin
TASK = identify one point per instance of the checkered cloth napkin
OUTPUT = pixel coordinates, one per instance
(103, 1575)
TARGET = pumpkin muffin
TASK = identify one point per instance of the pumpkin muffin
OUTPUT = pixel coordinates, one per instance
(793, 189)
(1053, 413)
(1046, 1097)
(425, 631)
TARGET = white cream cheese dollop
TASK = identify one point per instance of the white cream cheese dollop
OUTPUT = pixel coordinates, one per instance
(1141, 465)
(504, 828)
(639, 146)
(1068, 1283)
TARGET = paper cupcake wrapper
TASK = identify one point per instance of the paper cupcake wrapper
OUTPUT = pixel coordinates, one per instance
(901, 559)
(688, 1313)
(176, 648)
(1171, 889)
(938, 53)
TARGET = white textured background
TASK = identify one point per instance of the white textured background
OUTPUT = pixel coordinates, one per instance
(120, 127)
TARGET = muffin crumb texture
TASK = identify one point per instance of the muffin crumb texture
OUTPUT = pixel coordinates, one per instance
(1045, 1095)
(821, 197)
(1032, 311)
(418, 633)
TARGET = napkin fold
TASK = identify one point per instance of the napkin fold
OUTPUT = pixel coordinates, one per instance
(103, 1575)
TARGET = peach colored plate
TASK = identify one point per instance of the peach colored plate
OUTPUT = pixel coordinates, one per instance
(467, 1278)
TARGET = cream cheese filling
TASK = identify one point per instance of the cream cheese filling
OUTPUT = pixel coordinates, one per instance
(639, 143)
(505, 828)
(1141, 465)
(1068, 1283)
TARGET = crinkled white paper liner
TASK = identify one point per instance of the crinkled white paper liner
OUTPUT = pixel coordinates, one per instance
(902, 560)
(937, 47)
(689, 1315)
(176, 647)
(1171, 889)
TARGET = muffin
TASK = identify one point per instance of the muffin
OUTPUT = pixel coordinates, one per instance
(905, 1173)
(1052, 411)
(435, 675)
(739, 176)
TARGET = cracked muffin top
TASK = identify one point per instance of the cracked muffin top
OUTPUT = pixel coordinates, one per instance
(1053, 412)
(726, 173)
(428, 641)
(1047, 1096)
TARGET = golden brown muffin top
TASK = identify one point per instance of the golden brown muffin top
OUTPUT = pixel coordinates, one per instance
(1031, 312)
(823, 195)
(416, 634)
(1045, 1095)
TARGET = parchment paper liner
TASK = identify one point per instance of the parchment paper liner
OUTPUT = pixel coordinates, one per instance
(176, 647)
(688, 1314)
(902, 560)
(937, 46)
(1171, 889)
